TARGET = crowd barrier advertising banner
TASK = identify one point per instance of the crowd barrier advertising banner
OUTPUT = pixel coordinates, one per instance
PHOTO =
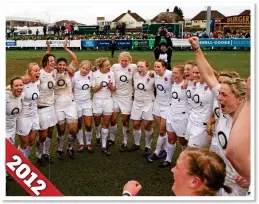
(140, 43)
(103, 43)
(224, 42)
(10, 43)
(42, 43)
(124, 43)
(204, 42)
(89, 43)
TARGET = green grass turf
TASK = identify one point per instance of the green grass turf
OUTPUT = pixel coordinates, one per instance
(96, 174)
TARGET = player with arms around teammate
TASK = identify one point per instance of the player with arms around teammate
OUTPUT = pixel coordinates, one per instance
(122, 98)
(142, 107)
(14, 99)
(163, 83)
(177, 117)
(82, 83)
(65, 105)
(46, 109)
(103, 84)
(28, 118)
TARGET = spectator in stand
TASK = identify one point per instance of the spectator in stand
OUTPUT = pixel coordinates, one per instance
(45, 30)
(63, 28)
(58, 30)
(72, 29)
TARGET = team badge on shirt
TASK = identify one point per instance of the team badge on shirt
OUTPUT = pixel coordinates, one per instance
(109, 76)
(148, 79)
(205, 88)
(129, 70)
(89, 77)
(166, 79)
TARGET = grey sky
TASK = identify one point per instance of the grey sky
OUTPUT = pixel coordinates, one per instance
(87, 12)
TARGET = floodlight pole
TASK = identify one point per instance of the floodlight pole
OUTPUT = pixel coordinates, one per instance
(208, 20)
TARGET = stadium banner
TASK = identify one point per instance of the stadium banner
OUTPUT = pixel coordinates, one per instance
(42, 43)
(103, 43)
(88, 43)
(151, 43)
(26, 174)
(181, 43)
(140, 43)
(124, 43)
(227, 42)
(10, 43)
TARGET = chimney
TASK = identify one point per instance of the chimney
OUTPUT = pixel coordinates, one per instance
(167, 10)
(128, 11)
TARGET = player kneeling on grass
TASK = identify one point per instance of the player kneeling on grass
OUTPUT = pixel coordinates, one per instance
(144, 83)
(103, 84)
(82, 83)
(163, 83)
(177, 117)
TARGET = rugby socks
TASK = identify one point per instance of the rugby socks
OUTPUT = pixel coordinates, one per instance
(165, 143)
(39, 149)
(137, 136)
(46, 146)
(113, 131)
(125, 135)
(28, 151)
(71, 141)
(60, 142)
(79, 136)
(104, 137)
(88, 137)
(159, 144)
(98, 132)
(170, 152)
(148, 138)
(23, 151)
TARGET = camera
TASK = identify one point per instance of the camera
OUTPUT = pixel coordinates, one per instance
(163, 27)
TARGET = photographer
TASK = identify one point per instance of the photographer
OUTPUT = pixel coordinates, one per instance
(163, 50)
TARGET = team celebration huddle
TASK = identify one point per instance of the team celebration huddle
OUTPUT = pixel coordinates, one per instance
(190, 103)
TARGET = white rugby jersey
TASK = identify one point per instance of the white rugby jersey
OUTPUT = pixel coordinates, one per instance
(47, 84)
(82, 86)
(163, 86)
(202, 104)
(220, 141)
(31, 95)
(189, 92)
(144, 87)
(63, 88)
(179, 102)
(124, 80)
(13, 108)
(99, 77)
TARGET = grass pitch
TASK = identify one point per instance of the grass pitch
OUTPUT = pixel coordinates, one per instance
(96, 174)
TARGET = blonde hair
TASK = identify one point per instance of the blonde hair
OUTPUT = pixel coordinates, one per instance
(193, 63)
(180, 67)
(125, 54)
(29, 67)
(86, 63)
(99, 62)
(210, 168)
(237, 85)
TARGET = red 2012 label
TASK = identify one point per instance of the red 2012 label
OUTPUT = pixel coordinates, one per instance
(23, 171)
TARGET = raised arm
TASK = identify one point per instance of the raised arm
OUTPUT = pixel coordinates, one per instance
(48, 51)
(238, 149)
(73, 56)
(204, 67)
